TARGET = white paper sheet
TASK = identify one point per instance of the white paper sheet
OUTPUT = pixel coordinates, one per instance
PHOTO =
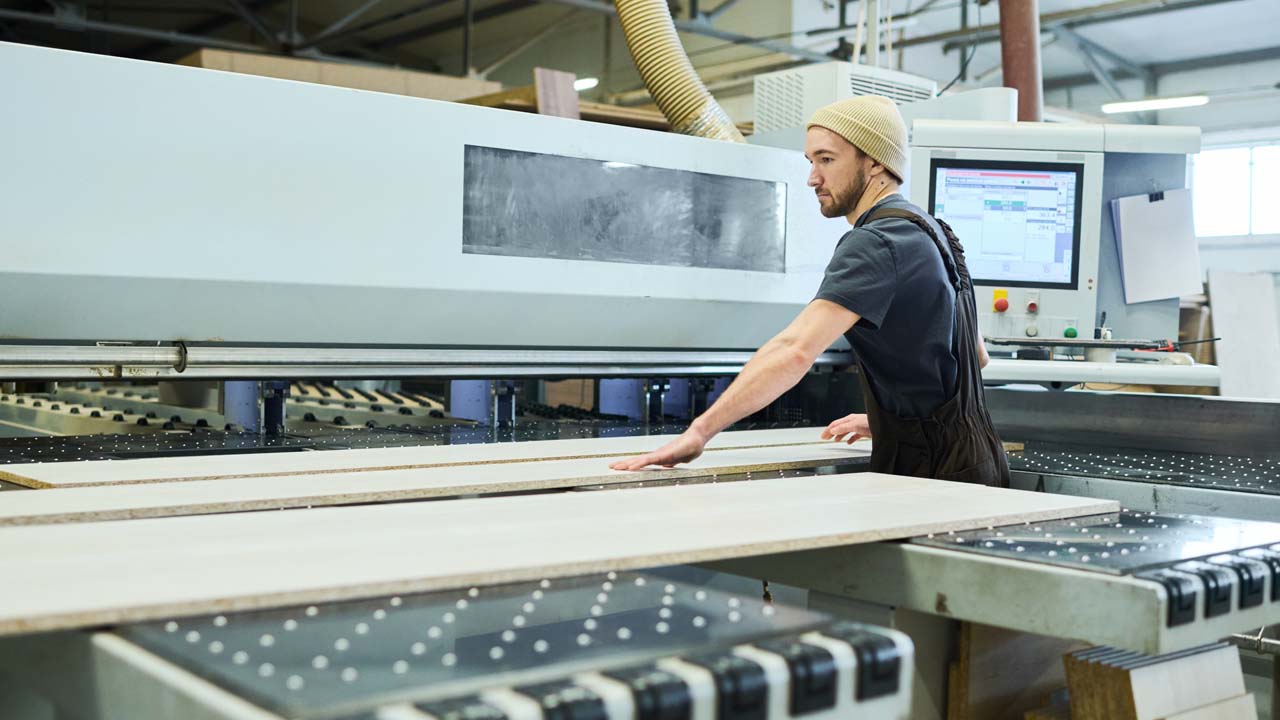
(1159, 256)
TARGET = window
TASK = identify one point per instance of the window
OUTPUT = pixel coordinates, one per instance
(1237, 191)
(1266, 190)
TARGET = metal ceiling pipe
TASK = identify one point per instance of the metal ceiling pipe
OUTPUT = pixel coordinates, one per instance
(1020, 55)
(169, 36)
(706, 29)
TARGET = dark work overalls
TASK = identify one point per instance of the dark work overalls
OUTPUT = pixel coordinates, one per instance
(958, 441)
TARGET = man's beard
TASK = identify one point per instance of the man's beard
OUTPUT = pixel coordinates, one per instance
(843, 204)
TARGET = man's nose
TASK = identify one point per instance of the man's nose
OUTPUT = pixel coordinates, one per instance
(814, 179)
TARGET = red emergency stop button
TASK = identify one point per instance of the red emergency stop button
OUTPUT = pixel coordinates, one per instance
(1002, 304)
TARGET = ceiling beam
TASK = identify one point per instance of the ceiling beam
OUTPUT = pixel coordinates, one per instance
(204, 27)
(344, 21)
(1204, 62)
(695, 27)
(397, 16)
(255, 22)
(1088, 53)
(546, 31)
(1081, 17)
(1240, 57)
(168, 37)
(1099, 73)
(228, 19)
(1078, 40)
(454, 23)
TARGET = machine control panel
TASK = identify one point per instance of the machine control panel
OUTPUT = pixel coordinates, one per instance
(1022, 312)
(1030, 222)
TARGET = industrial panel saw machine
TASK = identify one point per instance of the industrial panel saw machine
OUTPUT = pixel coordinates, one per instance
(168, 225)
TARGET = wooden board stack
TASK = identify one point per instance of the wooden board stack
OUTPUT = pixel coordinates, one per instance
(1203, 682)
(95, 573)
(220, 467)
(1241, 707)
(1052, 712)
(1002, 674)
(128, 500)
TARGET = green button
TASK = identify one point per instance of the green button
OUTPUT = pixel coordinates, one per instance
(1070, 332)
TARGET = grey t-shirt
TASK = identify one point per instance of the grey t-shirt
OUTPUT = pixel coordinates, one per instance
(891, 274)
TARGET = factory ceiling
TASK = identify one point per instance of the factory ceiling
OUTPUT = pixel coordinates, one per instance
(1126, 38)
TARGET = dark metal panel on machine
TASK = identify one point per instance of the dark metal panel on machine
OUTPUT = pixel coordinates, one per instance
(1180, 423)
(1233, 473)
(537, 205)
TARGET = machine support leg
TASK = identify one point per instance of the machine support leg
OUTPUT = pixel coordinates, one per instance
(676, 402)
(721, 384)
(275, 393)
(504, 394)
(1275, 687)
(700, 390)
(655, 392)
(1265, 634)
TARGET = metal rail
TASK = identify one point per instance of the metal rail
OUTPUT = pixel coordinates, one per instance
(1263, 645)
(178, 362)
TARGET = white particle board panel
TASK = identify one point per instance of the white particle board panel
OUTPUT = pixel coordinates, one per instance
(197, 497)
(215, 467)
(85, 574)
(1243, 707)
(1244, 316)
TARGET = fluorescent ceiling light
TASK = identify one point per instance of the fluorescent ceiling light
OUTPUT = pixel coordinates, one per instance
(1168, 103)
(585, 83)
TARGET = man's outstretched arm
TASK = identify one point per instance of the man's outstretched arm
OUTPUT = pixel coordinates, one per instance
(775, 368)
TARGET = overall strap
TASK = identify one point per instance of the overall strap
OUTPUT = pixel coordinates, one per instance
(957, 253)
(954, 269)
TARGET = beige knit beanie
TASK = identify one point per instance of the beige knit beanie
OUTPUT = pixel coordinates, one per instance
(870, 123)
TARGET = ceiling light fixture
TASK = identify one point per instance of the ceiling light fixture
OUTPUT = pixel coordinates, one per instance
(1168, 103)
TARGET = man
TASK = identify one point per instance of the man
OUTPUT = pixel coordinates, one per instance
(898, 290)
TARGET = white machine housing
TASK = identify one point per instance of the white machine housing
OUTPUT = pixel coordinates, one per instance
(152, 202)
(785, 99)
(1085, 145)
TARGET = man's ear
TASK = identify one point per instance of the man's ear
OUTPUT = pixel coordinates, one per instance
(876, 170)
